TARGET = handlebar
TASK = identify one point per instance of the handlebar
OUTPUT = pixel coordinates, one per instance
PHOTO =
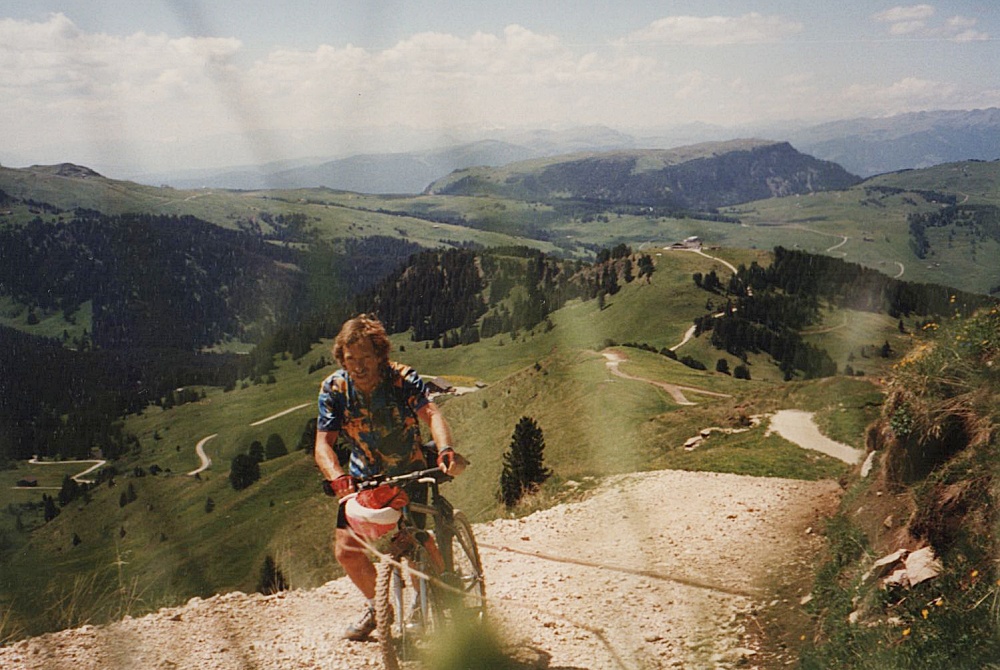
(437, 474)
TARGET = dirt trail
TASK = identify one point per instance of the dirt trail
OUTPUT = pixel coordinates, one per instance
(798, 426)
(676, 392)
(652, 570)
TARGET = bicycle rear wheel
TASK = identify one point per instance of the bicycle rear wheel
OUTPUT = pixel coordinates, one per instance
(466, 595)
(407, 610)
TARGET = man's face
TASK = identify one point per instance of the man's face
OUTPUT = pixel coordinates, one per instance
(363, 364)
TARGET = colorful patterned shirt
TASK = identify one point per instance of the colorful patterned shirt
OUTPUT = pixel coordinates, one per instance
(382, 427)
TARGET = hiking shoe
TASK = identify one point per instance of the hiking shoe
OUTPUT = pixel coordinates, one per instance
(363, 627)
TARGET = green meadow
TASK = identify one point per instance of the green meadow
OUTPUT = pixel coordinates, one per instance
(184, 536)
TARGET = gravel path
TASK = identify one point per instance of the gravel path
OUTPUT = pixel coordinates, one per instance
(798, 426)
(653, 570)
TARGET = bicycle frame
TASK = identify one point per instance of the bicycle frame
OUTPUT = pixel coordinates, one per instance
(441, 562)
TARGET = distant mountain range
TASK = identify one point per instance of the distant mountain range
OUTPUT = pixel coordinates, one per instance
(864, 146)
(875, 146)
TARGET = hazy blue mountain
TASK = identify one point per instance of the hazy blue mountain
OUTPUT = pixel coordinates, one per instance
(864, 146)
(874, 146)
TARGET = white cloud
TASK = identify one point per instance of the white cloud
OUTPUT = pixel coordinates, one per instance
(53, 75)
(908, 14)
(963, 29)
(913, 21)
(750, 28)
(145, 95)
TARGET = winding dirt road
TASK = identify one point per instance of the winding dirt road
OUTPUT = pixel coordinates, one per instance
(614, 360)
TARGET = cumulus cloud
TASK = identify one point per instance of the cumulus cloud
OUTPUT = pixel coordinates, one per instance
(52, 74)
(915, 21)
(750, 28)
(440, 79)
(145, 93)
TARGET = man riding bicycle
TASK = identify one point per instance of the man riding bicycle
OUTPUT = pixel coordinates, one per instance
(376, 405)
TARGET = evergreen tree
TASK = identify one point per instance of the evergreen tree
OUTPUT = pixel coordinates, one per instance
(275, 447)
(523, 464)
(244, 471)
(51, 511)
(69, 492)
(256, 451)
(646, 267)
(307, 441)
(271, 578)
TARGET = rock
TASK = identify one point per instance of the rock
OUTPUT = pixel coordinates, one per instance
(866, 468)
(922, 565)
(897, 578)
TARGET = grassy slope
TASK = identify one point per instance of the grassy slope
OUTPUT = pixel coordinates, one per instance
(877, 228)
(950, 621)
(594, 424)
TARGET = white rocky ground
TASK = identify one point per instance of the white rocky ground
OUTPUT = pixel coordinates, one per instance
(654, 570)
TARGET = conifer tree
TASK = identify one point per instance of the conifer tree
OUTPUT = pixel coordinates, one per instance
(245, 471)
(271, 578)
(523, 464)
(275, 447)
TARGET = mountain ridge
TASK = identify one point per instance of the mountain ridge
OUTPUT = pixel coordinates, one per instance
(701, 177)
(864, 146)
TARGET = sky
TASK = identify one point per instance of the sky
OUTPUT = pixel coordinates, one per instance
(126, 87)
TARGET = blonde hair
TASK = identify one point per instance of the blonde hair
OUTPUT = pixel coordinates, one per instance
(360, 327)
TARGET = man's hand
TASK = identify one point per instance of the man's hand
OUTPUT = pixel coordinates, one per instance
(339, 487)
(451, 462)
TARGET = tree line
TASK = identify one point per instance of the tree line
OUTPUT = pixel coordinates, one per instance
(459, 296)
(766, 307)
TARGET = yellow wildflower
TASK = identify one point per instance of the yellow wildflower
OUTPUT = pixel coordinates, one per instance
(924, 613)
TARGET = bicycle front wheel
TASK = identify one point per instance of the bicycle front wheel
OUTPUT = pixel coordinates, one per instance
(466, 585)
(407, 611)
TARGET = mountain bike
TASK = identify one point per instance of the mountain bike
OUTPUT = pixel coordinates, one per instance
(431, 577)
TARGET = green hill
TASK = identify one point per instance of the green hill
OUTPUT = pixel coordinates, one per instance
(701, 177)
(158, 536)
(183, 536)
(870, 224)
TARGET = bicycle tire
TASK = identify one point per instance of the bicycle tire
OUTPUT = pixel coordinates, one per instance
(463, 571)
(395, 596)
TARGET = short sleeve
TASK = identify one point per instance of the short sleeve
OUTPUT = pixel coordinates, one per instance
(414, 389)
(331, 404)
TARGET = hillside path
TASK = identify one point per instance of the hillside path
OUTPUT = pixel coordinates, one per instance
(615, 358)
(204, 460)
(653, 570)
(798, 426)
(78, 477)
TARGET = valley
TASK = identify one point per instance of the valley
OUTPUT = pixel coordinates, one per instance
(570, 306)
